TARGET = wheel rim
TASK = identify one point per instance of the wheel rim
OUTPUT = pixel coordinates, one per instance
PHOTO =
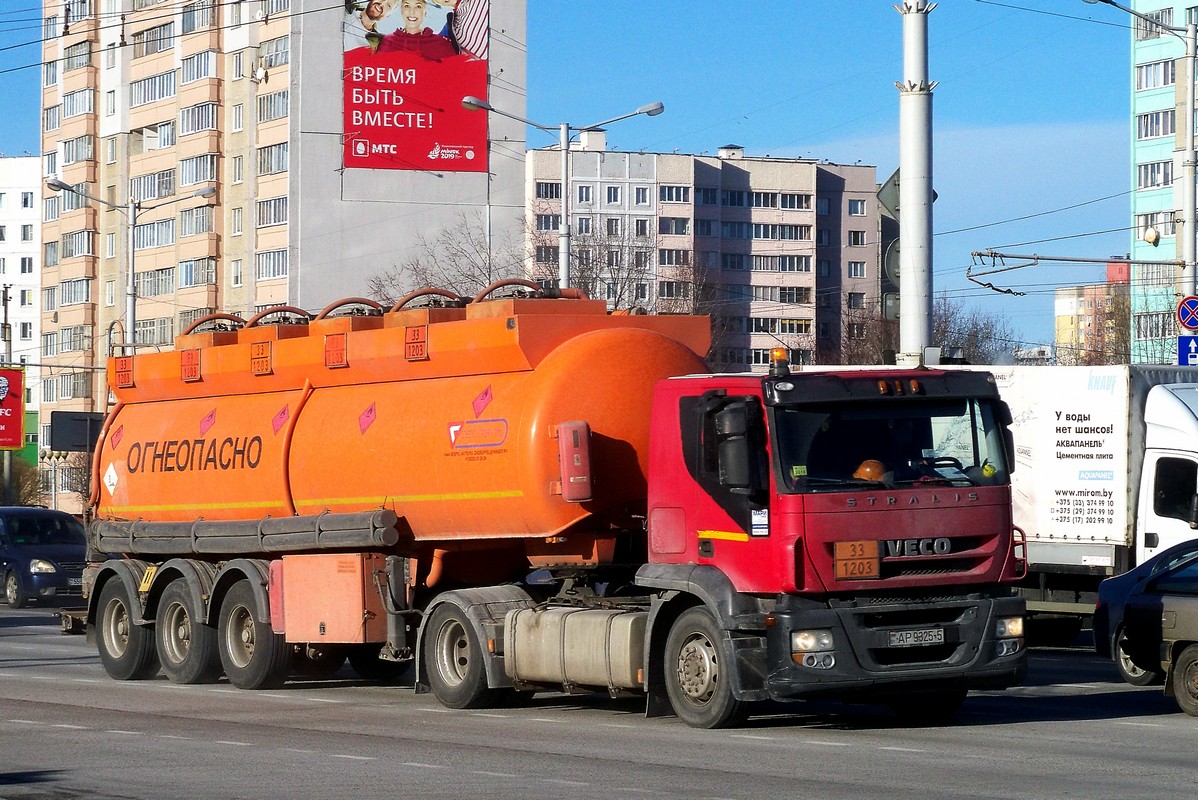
(452, 652)
(115, 628)
(239, 641)
(698, 669)
(176, 633)
(10, 589)
(1126, 664)
(1189, 681)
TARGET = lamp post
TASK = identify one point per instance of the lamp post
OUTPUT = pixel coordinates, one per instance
(564, 133)
(132, 211)
(1189, 37)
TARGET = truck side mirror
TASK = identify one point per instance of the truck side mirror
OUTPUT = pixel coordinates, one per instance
(735, 449)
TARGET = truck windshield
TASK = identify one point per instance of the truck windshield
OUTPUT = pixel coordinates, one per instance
(838, 447)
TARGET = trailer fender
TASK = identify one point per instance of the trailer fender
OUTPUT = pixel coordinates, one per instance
(198, 575)
(130, 571)
(256, 571)
(685, 586)
(485, 609)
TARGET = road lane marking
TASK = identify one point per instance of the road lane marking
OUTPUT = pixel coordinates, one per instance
(69, 726)
(904, 749)
(492, 716)
(127, 733)
(829, 744)
(750, 736)
(490, 774)
(422, 765)
(232, 743)
(354, 758)
(1141, 724)
(564, 782)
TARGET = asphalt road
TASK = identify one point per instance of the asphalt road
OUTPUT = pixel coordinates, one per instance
(68, 731)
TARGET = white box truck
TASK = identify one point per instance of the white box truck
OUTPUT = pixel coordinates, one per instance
(1106, 472)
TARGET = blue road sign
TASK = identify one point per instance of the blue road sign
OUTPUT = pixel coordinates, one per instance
(1187, 351)
(1187, 313)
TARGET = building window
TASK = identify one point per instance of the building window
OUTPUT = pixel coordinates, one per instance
(153, 40)
(673, 258)
(856, 269)
(614, 259)
(856, 208)
(548, 190)
(152, 89)
(238, 169)
(110, 103)
(110, 245)
(613, 195)
(545, 254)
(857, 239)
(154, 331)
(1153, 325)
(197, 169)
(152, 186)
(1155, 124)
(50, 208)
(110, 293)
(1154, 26)
(26, 233)
(583, 225)
(584, 193)
(673, 290)
(732, 261)
(823, 207)
(194, 221)
(794, 295)
(200, 14)
(110, 150)
(1154, 174)
(1165, 223)
(855, 300)
(765, 199)
(613, 226)
(676, 226)
(674, 194)
(642, 195)
(796, 202)
(549, 222)
(193, 119)
(236, 278)
(275, 52)
(271, 264)
(1156, 75)
(732, 199)
(74, 292)
(197, 272)
(238, 117)
(77, 56)
(640, 227)
(272, 212)
(272, 106)
(198, 67)
(154, 234)
(82, 101)
(236, 222)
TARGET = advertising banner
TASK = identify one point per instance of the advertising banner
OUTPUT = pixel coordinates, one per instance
(12, 408)
(407, 66)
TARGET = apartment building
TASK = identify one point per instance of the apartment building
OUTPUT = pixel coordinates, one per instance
(1091, 321)
(179, 128)
(781, 252)
(1157, 103)
(20, 267)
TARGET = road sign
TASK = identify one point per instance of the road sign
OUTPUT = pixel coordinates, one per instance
(1187, 351)
(1187, 313)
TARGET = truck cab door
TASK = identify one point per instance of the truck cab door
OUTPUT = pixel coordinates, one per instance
(1166, 517)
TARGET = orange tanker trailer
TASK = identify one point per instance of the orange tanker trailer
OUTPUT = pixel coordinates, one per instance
(503, 493)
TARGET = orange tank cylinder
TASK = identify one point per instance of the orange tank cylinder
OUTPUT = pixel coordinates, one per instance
(447, 419)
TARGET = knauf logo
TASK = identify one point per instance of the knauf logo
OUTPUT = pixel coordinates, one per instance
(1101, 383)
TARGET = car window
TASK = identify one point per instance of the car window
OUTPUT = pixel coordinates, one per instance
(1182, 579)
(1174, 487)
(1173, 560)
(43, 530)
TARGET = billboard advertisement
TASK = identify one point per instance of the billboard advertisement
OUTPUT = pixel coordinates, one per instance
(12, 408)
(407, 66)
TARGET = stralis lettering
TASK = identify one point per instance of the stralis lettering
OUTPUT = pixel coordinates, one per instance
(188, 455)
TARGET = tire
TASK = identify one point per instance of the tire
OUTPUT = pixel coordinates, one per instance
(126, 649)
(1185, 680)
(14, 595)
(1127, 669)
(365, 661)
(698, 675)
(453, 659)
(318, 662)
(186, 646)
(253, 655)
(928, 708)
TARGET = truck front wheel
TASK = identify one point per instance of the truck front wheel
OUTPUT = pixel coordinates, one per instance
(186, 646)
(453, 659)
(126, 650)
(253, 655)
(1185, 680)
(698, 674)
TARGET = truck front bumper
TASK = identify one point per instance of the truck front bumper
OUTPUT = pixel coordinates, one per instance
(878, 649)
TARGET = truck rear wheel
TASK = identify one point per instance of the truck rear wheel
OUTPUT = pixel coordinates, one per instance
(126, 650)
(186, 646)
(698, 677)
(1185, 680)
(253, 655)
(453, 659)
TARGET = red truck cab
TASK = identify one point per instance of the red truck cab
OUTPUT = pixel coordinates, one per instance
(852, 531)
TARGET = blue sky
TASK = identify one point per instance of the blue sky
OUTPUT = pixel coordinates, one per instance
(1030, 114)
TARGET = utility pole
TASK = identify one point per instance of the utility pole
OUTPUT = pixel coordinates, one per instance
(6, 330)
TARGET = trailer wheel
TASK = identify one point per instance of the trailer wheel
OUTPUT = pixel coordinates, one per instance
(1185, 680)
(186, 646)
(698, 678)
(1127, 668)
(13, 594)
(126, 650)
(453, 658)
(254, 656)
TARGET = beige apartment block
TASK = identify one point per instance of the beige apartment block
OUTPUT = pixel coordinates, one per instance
(782, 252)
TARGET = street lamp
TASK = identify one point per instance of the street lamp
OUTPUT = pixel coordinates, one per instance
(132, 211)
(564, 130)
(1188, 200)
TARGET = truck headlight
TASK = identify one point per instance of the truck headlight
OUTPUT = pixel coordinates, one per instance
(816, 641)
(1009, 627)
(39, 566)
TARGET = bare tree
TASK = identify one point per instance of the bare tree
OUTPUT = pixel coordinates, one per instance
(461, 258)
(983, 338)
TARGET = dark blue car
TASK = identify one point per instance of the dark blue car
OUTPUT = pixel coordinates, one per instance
(1113, 596)
(42, 554)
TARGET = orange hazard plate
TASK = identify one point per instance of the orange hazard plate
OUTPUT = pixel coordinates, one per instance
(857, 560)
